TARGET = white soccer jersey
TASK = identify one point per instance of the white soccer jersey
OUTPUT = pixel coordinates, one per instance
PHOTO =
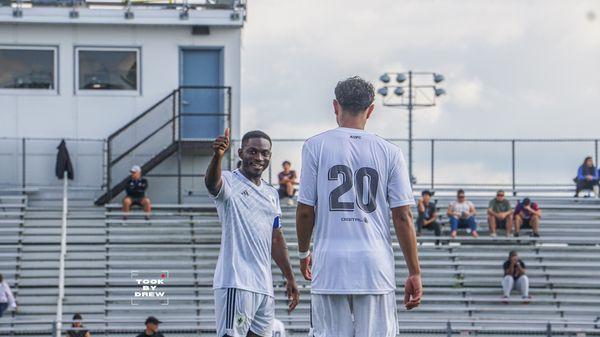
(353, 177)
(248, 215)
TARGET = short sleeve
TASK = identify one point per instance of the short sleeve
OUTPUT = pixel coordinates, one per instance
(307, 193)
(399, 190)
(225, 190)
(491, 204)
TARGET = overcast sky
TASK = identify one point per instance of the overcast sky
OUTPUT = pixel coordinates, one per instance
(513, 68)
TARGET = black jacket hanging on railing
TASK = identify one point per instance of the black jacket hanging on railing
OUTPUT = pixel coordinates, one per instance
(63, 162)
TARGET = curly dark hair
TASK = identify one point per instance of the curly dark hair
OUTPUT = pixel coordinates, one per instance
(354, 94)
(255, 134)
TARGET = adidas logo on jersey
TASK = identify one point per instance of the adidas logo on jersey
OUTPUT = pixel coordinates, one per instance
(246, 193)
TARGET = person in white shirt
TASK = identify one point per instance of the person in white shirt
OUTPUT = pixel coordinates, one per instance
(278, 328)
(6, 296)
(350, 179)
(461, 214)
(250, 216)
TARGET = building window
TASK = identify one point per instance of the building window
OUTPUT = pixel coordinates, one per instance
(28, 68)
(108, 69)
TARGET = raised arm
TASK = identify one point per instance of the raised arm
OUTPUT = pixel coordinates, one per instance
(280, 255)
(212, 179)
(403, 223)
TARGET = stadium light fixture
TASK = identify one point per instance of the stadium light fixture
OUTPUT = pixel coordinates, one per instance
(399, 91)
(383, 91)
(401, 77)
(417, 96)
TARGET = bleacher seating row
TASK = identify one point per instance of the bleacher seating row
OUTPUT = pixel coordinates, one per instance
(106, 253)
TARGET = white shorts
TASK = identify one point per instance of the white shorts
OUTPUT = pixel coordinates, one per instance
(354, 315)
(239, 311)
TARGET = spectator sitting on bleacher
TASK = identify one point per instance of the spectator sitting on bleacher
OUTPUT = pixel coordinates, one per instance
(500, 214)
(6, 297)
(587, 177)
(528, 215)
(515, 278)
(461, 213)
(136, 192)
(151, 328)
(78, 330)
(427, 215)
(287, 182)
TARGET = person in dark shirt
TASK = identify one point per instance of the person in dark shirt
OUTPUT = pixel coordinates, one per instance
(528, 215)
(287, 182)
(136, 192)
(515, 278)
(151, 328)
(78, 329)
(427, 215)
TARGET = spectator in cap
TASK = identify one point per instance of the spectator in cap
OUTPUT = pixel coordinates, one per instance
(78, 329)
(428, 215)
(6, 296)
(136, 192)
(151, 328)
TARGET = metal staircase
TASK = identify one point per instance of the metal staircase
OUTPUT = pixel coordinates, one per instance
(156, 134)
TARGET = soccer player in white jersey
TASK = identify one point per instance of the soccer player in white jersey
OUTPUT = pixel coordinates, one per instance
(249, 212)
(349, 181)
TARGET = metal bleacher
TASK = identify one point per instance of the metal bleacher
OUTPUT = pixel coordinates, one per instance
(107, 253)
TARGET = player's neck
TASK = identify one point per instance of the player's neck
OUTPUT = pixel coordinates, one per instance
(349, 121)
(352, 123)
(254, 180)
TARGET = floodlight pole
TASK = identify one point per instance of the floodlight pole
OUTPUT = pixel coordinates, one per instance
(411, 103)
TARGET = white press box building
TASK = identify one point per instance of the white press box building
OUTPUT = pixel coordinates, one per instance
(138, 82)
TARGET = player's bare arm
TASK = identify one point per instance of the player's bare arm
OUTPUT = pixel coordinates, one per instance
(403, 223)
(280, 255)
(305, 222)
(212, 179)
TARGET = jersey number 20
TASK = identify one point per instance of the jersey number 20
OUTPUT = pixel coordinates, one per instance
(356, 180)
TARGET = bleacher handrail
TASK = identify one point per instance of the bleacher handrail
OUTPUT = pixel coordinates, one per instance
(63, 253)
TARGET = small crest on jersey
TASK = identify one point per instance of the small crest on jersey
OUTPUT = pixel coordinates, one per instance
(240, 323)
